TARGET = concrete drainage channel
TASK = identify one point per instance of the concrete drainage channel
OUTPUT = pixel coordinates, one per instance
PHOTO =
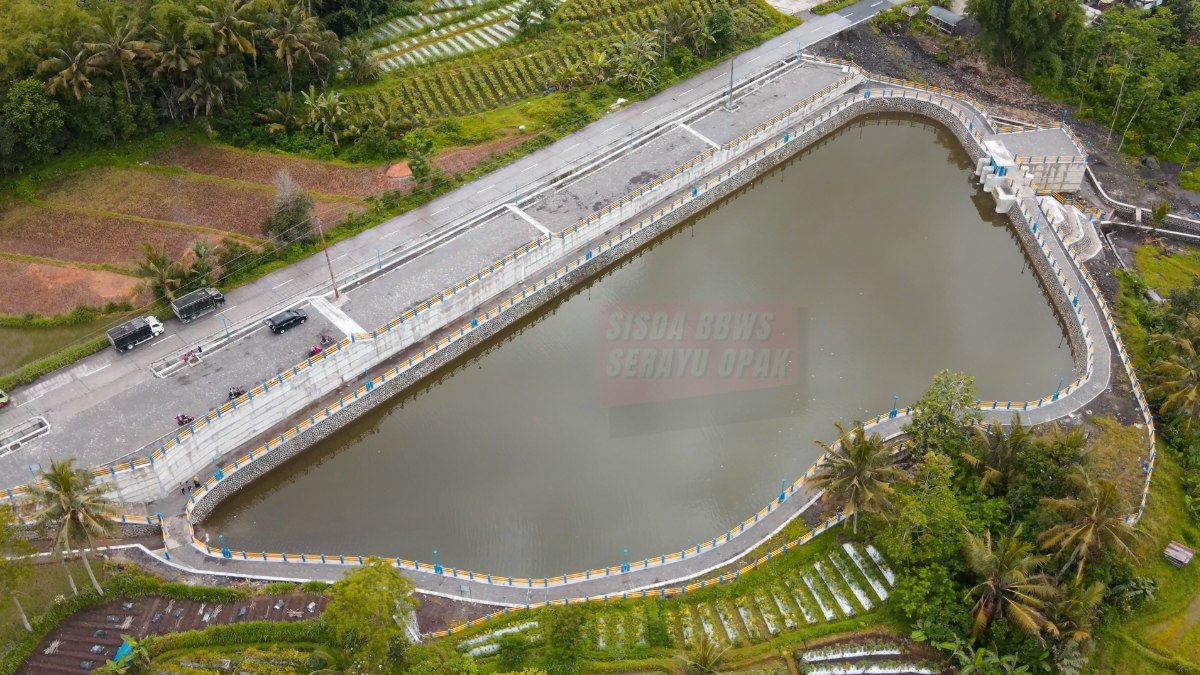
(14, 437)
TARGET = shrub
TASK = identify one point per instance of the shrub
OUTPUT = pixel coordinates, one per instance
(252, 632)
(513, 651)
(1190, 180)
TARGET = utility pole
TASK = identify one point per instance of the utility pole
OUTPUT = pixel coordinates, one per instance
(325, 249)
(729, 103)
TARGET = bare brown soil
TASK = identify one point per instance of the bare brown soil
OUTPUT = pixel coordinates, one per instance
(457, 160)
(48, 289)
(262, 167)
(214, 203)
(95, 634)
(49, 232)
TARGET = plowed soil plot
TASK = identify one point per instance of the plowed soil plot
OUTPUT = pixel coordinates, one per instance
(93, 635)
(47, 289)
(262, 167)
(456, 160)
(65, 235)
(192, 200)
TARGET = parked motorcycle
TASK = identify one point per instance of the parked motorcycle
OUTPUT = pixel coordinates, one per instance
(184, 420)
(235, 392)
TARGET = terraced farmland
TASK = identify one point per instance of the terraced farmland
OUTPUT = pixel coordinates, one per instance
(477, 71)
(846, 581)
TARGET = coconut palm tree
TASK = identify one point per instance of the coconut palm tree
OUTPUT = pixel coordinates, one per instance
(162, 274)
(232, 24)
(1010, 584)
(295, 37)
(858, 469)
(118, 43)
(1177, 377)
(1000, 454)
(72, 70)
(360, 62)
(75, 507)
(1077, 608)
(1091, 521)
(214, 78)
(678, 26)
(174, 60)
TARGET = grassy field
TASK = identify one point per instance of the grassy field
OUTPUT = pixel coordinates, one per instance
(1165, 272)
(37, 593)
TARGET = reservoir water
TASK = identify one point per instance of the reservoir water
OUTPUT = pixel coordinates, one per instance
(874, 242)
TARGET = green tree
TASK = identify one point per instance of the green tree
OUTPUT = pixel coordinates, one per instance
(72, 70)
(999, 454)
(930, 522)
(214, 79)
(859, 469)
(1092, 521)
(1010, 584)
(284, 117)
(722, 24)
(118, 44)
(1018, 29)
(677, 27)
(1177, 376)
(325, 112)
(512, 652)
(233, 24)
(418, 146)
(161, 273)
(200, 273)
(34, 116)
(291, 213)
(295, 37)
(368, 611)
(14, 566)
(562, 627)
(944, 414)
(175, 59)
(360, 62)
(76, 508)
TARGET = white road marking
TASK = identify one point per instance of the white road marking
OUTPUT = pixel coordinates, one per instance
(610, 128)
(283, 284)
(341, 256)
(529, 167)
(571, 148)
(486, 189)
(719, 77)
(444, 208)
(688, 91)
(878, 3)
(225, 310)
(98, 369)
(392, 232)
(649, 109)
(31, 400)
(754, 59)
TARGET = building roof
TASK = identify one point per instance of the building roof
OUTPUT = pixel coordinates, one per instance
(944, 15)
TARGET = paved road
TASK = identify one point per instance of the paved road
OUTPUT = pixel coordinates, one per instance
(125, 406)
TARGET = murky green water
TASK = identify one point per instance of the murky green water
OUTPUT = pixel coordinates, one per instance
(896, 268)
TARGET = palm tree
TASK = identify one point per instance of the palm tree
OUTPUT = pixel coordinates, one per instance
(678, 26)
(859, 469)
(213, 79)
(1093, 520)
(203, 258)
(174, 60)
(285, 116)
(597, 65)
(72, 70)
(1000, 454)
(360, 62)
(118, 43)
(162, 274)
(569, 75)
(76, 508)
(1010, 584)
(232, 23)
(1177, 376)
(1076, 611)
(295, 37)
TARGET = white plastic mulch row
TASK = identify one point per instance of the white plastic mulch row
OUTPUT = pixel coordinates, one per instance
(784, 611)
(855, 669)
(854, 653)
(883, 567)
(851, 583)
(492, 33)
(727, 623)
(834, 590)
(493, 635)
(825, 610)
(869, 571)
(768, 619)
